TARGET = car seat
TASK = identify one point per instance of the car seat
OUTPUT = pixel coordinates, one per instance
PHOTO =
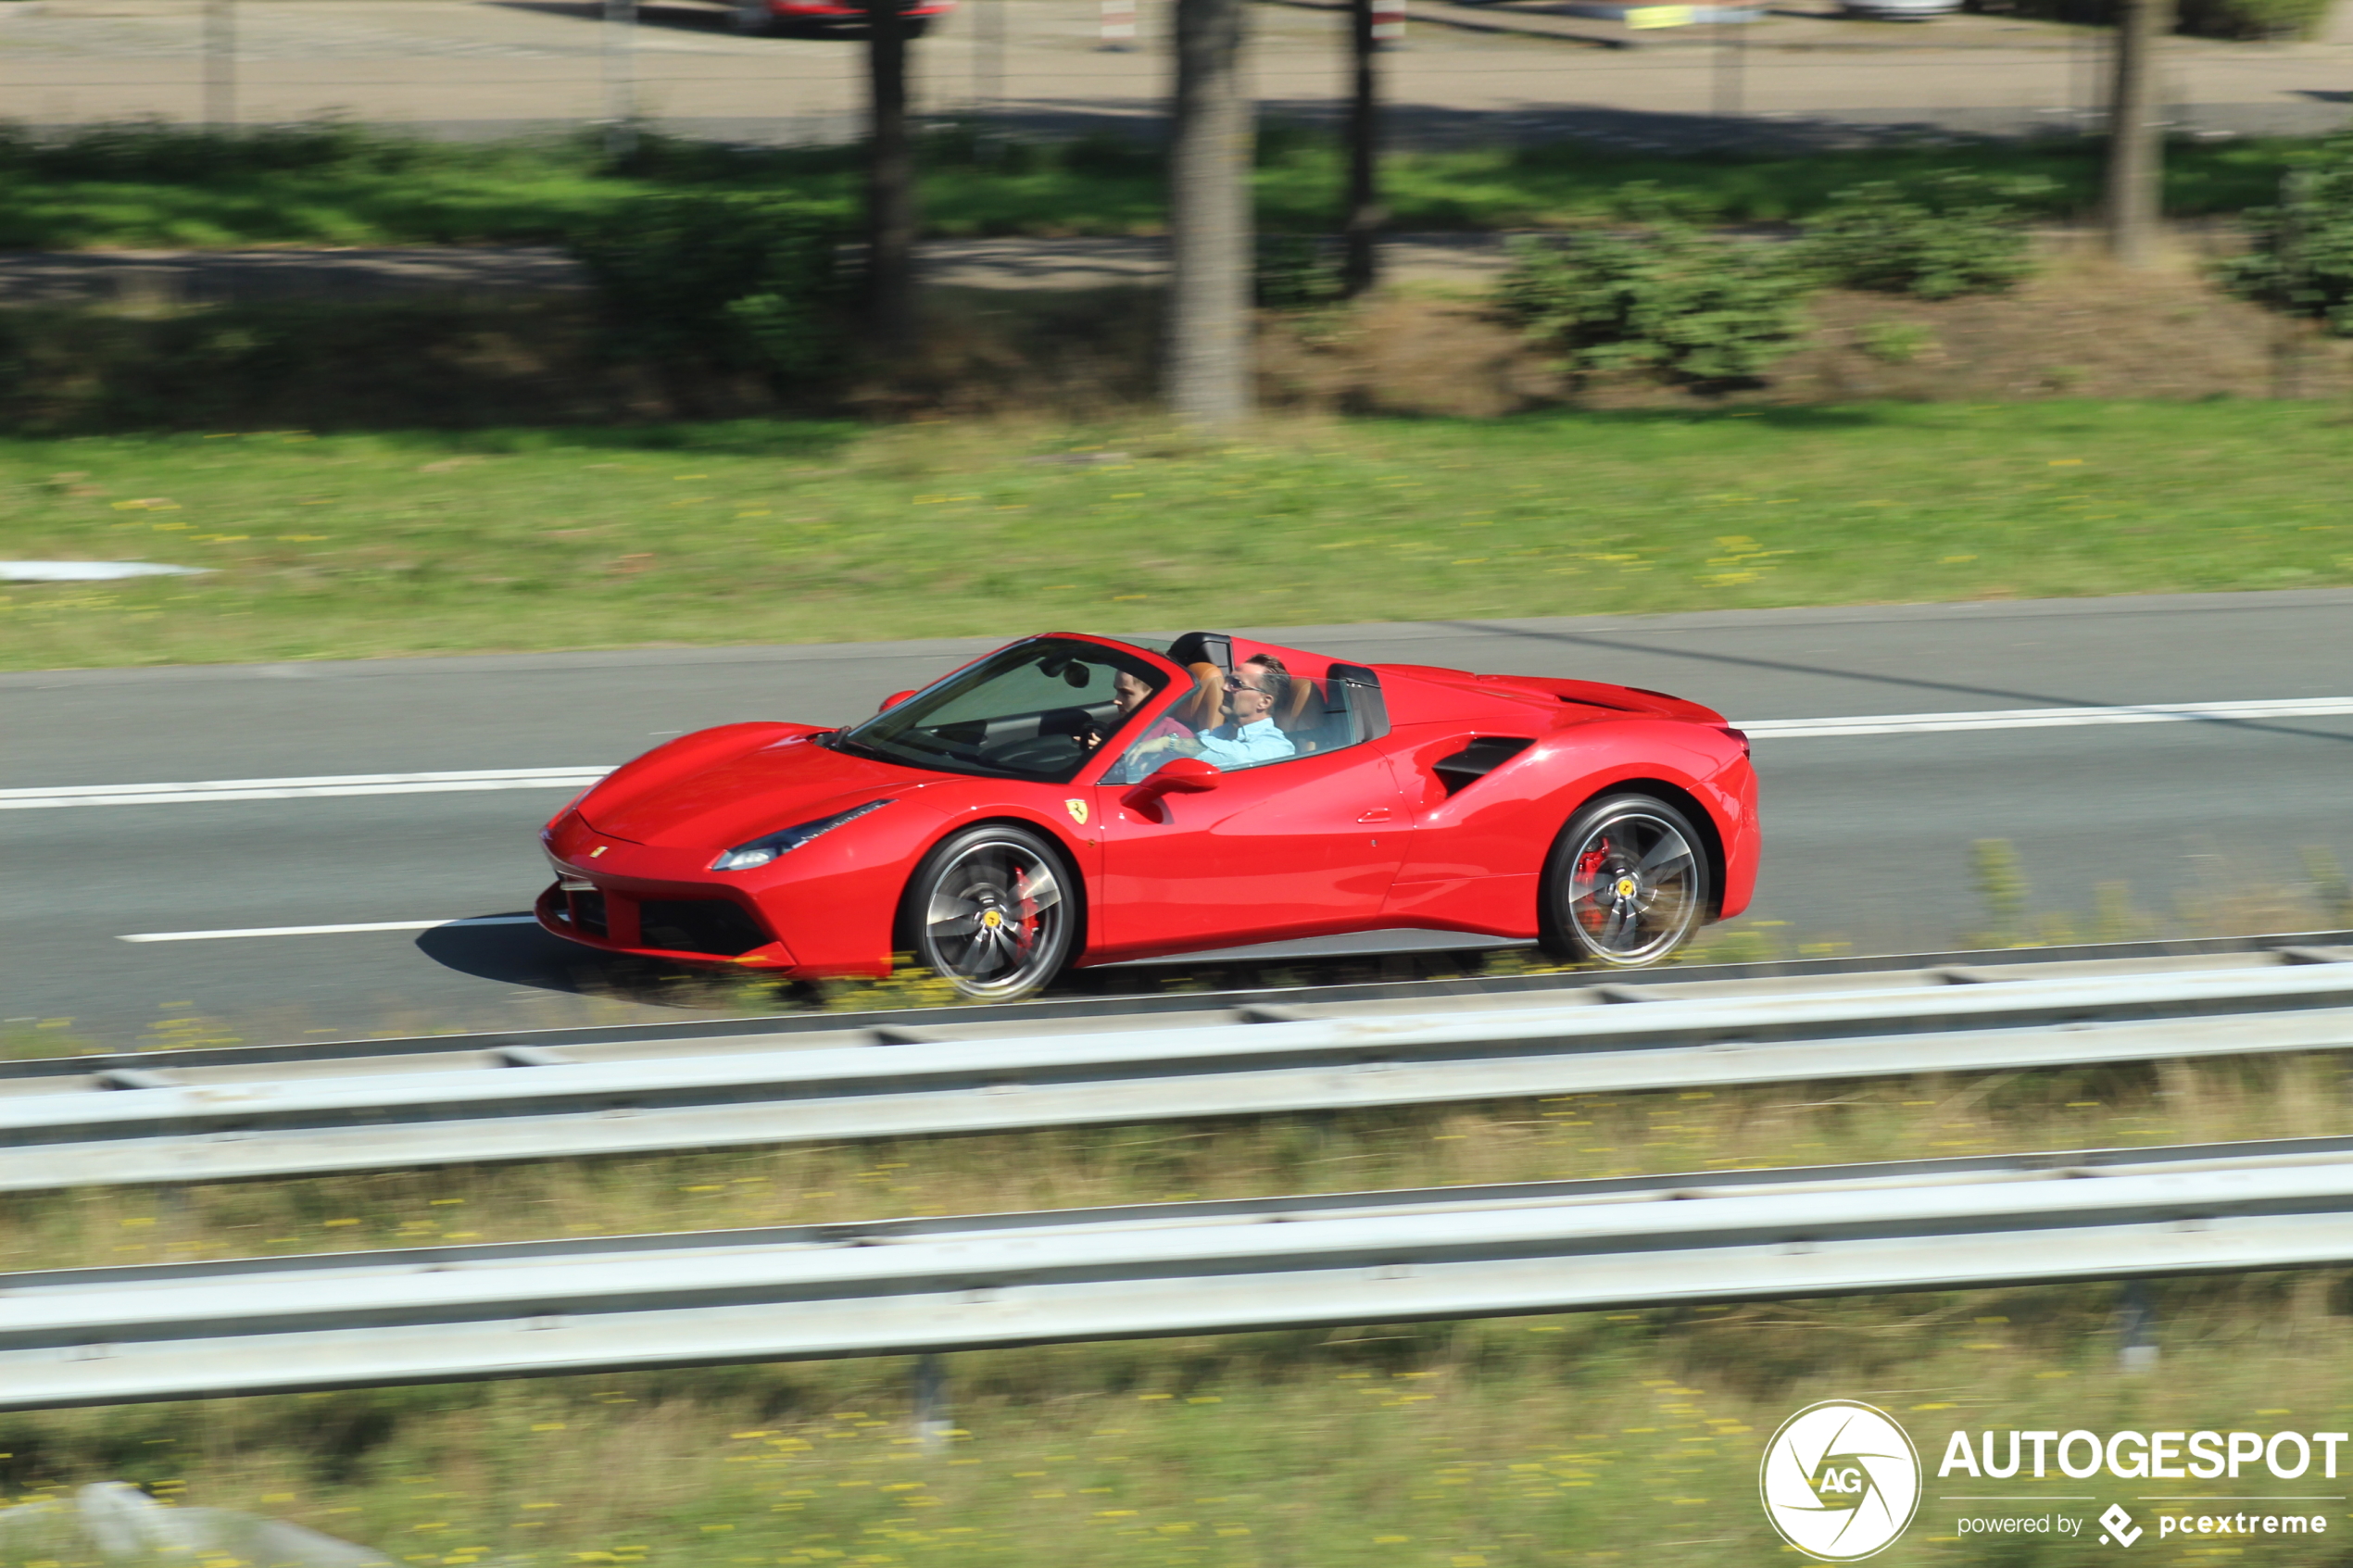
(1204, 708)
(1315, 716)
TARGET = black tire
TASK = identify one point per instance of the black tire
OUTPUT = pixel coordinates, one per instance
(752, 19)
(993, 911)
(1626, 883)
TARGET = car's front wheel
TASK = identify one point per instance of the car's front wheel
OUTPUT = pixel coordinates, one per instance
(989, 912)
(1626, 885)
(751, 17)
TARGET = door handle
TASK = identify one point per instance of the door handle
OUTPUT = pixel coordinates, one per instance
(1379, 814)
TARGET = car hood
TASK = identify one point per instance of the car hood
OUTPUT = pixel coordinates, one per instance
(718, 795)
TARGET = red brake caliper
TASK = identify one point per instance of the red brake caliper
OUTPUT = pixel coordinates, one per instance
(1025, 932)
(1590, 913)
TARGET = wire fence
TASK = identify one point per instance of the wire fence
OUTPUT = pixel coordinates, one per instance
(1453, 73)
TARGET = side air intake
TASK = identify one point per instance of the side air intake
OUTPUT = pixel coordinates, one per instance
(1476, 761)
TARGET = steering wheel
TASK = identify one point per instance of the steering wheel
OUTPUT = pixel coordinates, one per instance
(1034, 752)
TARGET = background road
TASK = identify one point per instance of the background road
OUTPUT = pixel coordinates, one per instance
(1483, 73)
(1868, 837)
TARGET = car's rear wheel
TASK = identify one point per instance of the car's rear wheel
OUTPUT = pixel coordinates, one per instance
(991, 912)
(751, 17)
(1626, 883)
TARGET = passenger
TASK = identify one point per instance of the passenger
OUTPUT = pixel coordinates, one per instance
(1248, 738)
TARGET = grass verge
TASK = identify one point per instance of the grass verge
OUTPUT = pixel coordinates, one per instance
(1585, 1438)
(353, 546)
(156, 186)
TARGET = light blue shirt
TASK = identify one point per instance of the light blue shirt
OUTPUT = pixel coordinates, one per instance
(1247, 746)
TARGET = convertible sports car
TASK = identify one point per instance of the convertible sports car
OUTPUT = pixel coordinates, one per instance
(1074, 799)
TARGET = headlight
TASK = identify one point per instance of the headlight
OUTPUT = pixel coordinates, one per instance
(760, 851)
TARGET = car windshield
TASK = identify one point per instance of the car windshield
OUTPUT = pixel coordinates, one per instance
(1037, 711)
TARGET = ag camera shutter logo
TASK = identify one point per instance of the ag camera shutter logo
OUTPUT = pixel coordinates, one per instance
(1840, 1481)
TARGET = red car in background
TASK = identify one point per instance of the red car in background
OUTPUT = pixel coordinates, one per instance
(827, 17)
(1074, 799)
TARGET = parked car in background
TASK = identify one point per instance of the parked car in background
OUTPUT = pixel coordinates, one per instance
(806, 18)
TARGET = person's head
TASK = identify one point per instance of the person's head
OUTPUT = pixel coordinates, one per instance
(1256, 690)
(1129, 691)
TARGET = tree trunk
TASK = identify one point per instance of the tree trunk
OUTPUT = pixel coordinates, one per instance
(1208, 362)
(2135, 142)
(890, 185)
(1360, 269)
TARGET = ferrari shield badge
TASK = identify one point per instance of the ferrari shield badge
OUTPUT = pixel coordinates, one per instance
(1078, 810)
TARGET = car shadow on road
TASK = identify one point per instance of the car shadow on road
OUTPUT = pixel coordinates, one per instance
(523, 955)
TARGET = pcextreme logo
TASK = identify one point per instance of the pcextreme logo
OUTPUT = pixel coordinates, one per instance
(1840, 1481)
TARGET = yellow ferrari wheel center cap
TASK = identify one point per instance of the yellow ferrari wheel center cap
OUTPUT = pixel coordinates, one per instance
(1625, 888)
(993, 919)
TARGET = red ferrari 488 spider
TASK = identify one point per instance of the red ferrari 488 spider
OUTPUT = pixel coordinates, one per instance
(1074, 799)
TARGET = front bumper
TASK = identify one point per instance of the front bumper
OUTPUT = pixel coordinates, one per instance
(681, 929)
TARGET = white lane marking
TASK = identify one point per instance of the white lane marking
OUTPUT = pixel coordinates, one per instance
(579, 777)
(2045, 717)
(326, 930)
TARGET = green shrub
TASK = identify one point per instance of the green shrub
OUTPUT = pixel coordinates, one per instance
(156, 150)
(1668, 297)
(2201, 18)
(1962, 235)
(724, 279)
(1894, 343)
(1109, 154)
(2301, 256)
(1296, 272)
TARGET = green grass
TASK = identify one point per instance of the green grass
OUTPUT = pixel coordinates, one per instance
(1594, 1440)
(358, 546)
(338, 184)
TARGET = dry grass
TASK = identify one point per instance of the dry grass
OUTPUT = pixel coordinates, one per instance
(1592, 1438)
(1418, 1146)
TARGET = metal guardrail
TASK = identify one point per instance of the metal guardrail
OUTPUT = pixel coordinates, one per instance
(1145, 998)
(181, 1331)
(340, 1116)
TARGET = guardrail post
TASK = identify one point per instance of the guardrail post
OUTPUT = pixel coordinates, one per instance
(2135, 1329)
(932, 1420)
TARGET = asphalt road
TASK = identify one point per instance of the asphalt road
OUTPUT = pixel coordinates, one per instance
(1468, 72)
(1868, 837)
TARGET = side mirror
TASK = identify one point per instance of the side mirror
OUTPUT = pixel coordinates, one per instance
(1179, 775)
(893, 700)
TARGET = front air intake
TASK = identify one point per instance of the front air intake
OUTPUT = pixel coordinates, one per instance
(720, 927)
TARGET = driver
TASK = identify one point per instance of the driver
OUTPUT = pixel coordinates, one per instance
(1128, 694)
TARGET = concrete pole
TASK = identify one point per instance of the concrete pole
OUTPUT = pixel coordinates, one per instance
(1207, 370)
(620, 77)
(219, 64)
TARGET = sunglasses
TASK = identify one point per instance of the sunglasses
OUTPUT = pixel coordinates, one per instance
(1236, 685)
